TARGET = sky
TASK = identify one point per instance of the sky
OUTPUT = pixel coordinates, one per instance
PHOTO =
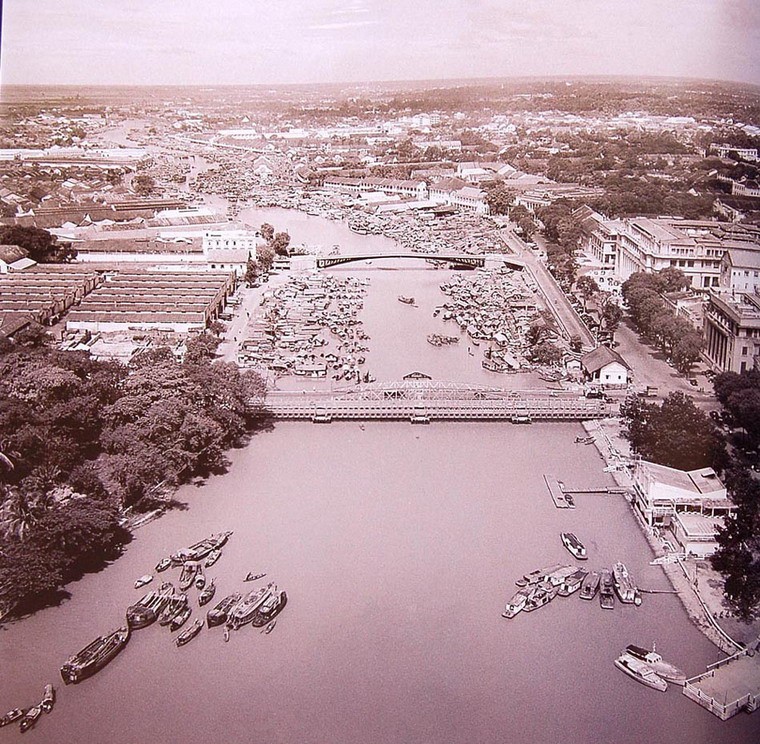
(202, 42)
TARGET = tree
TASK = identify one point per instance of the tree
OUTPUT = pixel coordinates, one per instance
(267, 232)
(611, 316)
(546, 352)
(588, 287)
(499, 199)
(280, 243)
(686, 350)
(265, 257)
(251, 273)
(144, 184)
(39, 244)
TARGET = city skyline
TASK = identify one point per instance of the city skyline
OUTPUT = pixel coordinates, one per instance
(326, 41)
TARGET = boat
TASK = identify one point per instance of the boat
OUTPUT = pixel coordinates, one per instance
(143, 580)
(213, 557)
(537, 576)
(187, 635)
(623, 583)
(574, 545)
(270, 627)
(176, 603)
(94, 656)
(606, 592)
(163, 564)
(539, 596)
(516, 603)
(660, 667)
(201, 549)
(219, 613)
(187, 577)
(590, 585)
(48, 698)
(641, 672)
(572, 583)
(207, 594)
(11, 716)
(30, 718)
(560, 575)
(268, 610)
(406, 300)
(200, 579)
(243, 611)
(147, 609)
(254, 577)
(180, 618)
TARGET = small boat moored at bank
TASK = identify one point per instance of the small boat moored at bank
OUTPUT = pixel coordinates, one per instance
(660, 667)
(30, 718)
(163, 564)
(606, 591)
(641, 672)
(94, 656)
(624, 585)
(574, 545)
(143, 580)
(187, 635)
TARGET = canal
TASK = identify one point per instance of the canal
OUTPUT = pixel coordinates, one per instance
(398, 546)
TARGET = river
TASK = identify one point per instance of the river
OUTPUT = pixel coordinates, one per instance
(398, 546)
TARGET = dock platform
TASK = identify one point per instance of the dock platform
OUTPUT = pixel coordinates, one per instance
(557, 492)
(729, 686)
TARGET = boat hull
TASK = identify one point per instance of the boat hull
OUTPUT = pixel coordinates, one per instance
(264, 616)
(641, 672)
(94, 657)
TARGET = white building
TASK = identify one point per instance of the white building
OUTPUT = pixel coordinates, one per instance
(604, 366)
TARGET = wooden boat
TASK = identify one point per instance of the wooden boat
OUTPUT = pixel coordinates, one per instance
(187, 635)
(574, 545)
(243, 611)
(207, 594)
(176, 603)
(187, 577)
(590, 585)
(539, 575)
(213, 557)
(406, 300)
(656, 663)
(270, 627)
(623, 583)
(572, 583)
(30, 718)
(516, 603)
(641, 672)
(539, 596)
(143, 580)
(268, 610)
(254, 577)
(147, 609)
(11, 716)
(200, 579)
(48, 698)
(219, 613)
(163, 564)
(180, 618)
(93, 657)
(606, 591)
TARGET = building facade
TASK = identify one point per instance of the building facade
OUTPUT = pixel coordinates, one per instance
(732, 330)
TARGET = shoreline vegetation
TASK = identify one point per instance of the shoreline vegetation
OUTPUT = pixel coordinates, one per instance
(83, 443)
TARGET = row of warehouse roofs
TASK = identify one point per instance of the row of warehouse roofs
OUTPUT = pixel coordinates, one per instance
(102, 301)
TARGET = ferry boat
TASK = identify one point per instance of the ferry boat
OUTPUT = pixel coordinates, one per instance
(11, 716)
(572, 583)
(660, 667)
(540, 595)
(48, 698)
(606, 592)
(218, 614)
(269, 608)
(93, 657)
(590, 585)
(624, 585)
(243, 611)
(516, 603)
(187, 577)
(30, 718)
(641, 672)
(574, 545)
(187, 635)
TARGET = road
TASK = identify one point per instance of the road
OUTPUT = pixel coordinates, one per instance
(555, 298)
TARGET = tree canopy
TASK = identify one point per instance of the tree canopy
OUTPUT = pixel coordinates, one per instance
(40, 244)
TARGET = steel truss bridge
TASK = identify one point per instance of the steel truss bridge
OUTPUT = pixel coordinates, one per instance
(458, 259)
(423, 401)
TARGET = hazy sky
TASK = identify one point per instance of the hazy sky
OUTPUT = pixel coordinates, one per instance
(270, 41)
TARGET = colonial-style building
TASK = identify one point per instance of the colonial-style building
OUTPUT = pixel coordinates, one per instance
(604, 366)
(732, 330)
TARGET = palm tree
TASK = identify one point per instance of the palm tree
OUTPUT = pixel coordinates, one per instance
(20, 512)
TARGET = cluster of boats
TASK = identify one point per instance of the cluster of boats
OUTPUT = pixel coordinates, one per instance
(540, 587)
(28, 717)
(649, 668)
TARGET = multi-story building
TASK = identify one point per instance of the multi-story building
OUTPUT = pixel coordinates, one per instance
(740, 269)
(723, 150)
(732, 330)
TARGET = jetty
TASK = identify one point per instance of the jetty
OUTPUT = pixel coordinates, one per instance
(728, 686)
(557, 492)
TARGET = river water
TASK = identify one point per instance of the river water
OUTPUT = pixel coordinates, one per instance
(398, 546)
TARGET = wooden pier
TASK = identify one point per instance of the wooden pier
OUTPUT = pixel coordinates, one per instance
(427, 401)
(729, 686)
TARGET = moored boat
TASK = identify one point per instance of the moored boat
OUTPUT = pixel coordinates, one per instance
(516, 603)
(572, 583)
(558, 577)
(11, 716)
(213, 557)
(147, 609)
(590, 585)
(623, 583)
(406, 300)
(207, 594)
(48, 698)
(270, 627)
(537, 576)
(187, 577)
(218, 614)
(30, 718)
(143, 580)
(268, 610)
(180, 618)
(243, 611)
(539, 596)
(641, 672)
(94, 656)
(606, 591)
(254, 577)
(163, 564)
(200, 579)
(176, 603)
(574, 545)
(187, 635)
(660, 667)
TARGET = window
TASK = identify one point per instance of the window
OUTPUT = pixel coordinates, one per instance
(744, 350)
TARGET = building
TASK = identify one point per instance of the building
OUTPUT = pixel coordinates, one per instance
(740, 269)
(604, 366)
(469, 199)
(732, 330)
(13, 258)
(723, 151)
(691, 504)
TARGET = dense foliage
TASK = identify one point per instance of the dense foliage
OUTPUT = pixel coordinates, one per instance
(563, 233)
(40, 244)
(83, 440)
(740, 396)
